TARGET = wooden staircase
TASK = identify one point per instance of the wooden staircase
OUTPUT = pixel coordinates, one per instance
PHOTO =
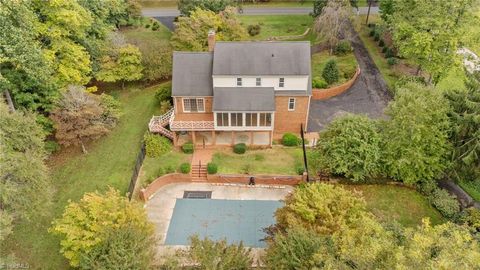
(158, 124)
(199, 172)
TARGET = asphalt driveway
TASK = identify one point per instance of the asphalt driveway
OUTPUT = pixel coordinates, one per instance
(368, 95)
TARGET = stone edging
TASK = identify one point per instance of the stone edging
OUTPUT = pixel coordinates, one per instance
(322, 94)
(290, 180)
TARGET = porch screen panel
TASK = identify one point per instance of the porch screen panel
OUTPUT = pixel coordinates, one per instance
(251, 119)
(222, 119)
(237, 119)
(265, 119)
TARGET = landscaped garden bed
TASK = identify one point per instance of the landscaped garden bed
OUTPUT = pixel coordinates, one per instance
(279, 25)
(346, 64)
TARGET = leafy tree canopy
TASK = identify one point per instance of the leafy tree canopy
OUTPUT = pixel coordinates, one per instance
(124, 65)
(191, 32)
(186, 7)
(90, 224)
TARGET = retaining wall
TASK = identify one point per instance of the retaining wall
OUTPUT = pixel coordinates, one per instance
(322, 94)
(290, 180)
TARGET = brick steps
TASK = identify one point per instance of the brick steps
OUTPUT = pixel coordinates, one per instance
(199, 173)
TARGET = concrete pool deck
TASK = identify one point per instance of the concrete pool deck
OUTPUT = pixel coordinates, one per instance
(160, 207)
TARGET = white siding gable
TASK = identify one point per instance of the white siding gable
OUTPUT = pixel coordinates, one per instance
(291, 82)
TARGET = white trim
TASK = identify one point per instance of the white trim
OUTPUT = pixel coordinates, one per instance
(244, 127)
(294, 104)
(196, 100)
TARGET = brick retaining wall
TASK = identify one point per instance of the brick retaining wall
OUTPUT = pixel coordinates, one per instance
(322, 94)
(290, 180)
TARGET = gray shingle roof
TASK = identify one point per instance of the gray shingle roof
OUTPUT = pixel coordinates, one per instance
(262, 58)
(192, 74)
(244, 99)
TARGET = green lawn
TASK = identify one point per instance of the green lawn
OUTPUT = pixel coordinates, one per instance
(278, 25)
(404, 205)
(155, 167)
(347, 65)
(109, 162)
(472, 188)
(474, 30)
(272, 3)
(277, 160)
(146, 35)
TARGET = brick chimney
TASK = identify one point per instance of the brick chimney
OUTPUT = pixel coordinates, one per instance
(211, 40)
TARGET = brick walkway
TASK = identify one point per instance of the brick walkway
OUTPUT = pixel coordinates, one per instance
(202, 155)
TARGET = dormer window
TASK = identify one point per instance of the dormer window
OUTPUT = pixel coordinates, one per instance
(239, 81)
(281, 82)
(258, 81)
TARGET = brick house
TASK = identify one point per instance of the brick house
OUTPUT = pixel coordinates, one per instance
(250, 92)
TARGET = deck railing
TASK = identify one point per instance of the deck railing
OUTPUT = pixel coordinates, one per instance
(192, 125)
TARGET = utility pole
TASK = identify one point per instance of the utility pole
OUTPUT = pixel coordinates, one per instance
(304, 152)
(9, 101)
(369, 6)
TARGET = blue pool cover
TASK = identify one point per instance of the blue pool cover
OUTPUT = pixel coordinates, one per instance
(235, 220)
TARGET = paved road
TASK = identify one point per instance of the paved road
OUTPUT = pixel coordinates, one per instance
(368, 95)
(173, 12)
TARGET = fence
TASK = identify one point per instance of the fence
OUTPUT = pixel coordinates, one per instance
(136, 171)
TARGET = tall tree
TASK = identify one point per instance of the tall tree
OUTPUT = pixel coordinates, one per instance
(429, 32)
(24, 182)
(416, 137)
(333, 23)
(79, 118)
(191, 32)
(99, 221)
(125, 64)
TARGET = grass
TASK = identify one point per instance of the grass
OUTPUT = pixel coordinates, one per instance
(155, 167)
(395, 203)
(146, 35)
(472, 188)
(347, 65)
(109, 162)
(278, 25)
(277, 160)
(173, 4)
(455, 79)
(474, 31)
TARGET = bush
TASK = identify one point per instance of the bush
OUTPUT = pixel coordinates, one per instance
(384, 49)
(472, 218)
(290, 139)
(169, 169)
(188, 148)
(376, 36)
(212, 168)
(343, 47)
(330, 72)
(156, 145)
(253, 29)
(389, 53)
(111, 109)
(51, 146)
(319, 83)
(381, 43)
(351, 146)
(165, 106)
(164, 93)
(185, 168)
(392, 61)
(155, 26)
(444, 202)
(239, 148)
(371, 33)
(371, 25)
(300, 169)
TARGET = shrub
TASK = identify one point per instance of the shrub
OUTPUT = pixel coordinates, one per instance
(51, 146)
(392, 61)
(188, 148)
(290, 139)
(156, 145)
(147, 26)
(164, 93)
(371, 25)
(389, 53)
(165, 106)
(348, 72)
(212, 168)
(300, 169)
(253, 29)
(376, 36)
(371, 33)
(381, 43)
(472, 218)
(185, 168)
(330, 72)
(444, 202)
(319, 83)
(111, 109)
(343, 47)
(384, 49)
(155, 26)
(351, 146)
(169, 169)
(239, 148)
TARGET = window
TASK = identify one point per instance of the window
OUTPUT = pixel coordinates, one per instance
(258, 81)
(265, 119)
(239, 81)
(281, 82)
(251, 119)
(193, 105)
(222, 119)
(236, 119)
(291, 104)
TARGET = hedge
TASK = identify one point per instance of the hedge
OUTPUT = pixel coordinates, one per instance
(185, 168)
(212, 168)
(240, 148)
(290, 139)
(188, 148)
